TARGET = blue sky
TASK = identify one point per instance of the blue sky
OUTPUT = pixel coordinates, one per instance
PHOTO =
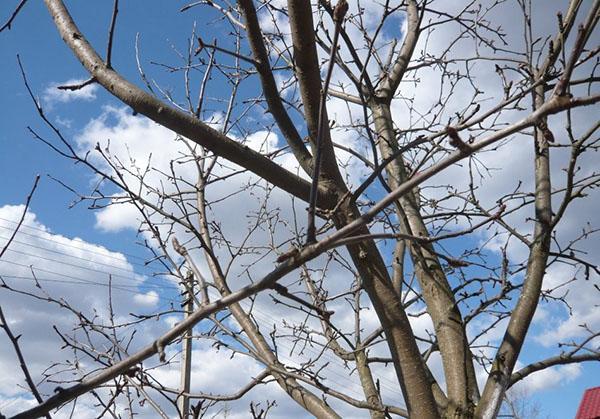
(47, 62)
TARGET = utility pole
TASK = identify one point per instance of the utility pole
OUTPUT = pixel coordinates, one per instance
(183, 403)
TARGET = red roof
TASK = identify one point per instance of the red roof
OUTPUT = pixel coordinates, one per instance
(589, 408)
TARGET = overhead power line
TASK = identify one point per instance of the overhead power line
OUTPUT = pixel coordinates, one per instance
(58, 252)
(81, 281)
(64, 275)
(129, 255)
(264, 317)
(74, 265)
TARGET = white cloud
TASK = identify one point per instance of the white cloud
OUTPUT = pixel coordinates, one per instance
(552, 377)
(16, 404)
(148, 299)
(137, 141)
(53, 95)
(74, 272)
(118, 217)
(134, 139)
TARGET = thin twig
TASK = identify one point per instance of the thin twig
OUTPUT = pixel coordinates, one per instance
(12, 17)
(23, 364)
(111, 33)
(27, 202)
(77, 86)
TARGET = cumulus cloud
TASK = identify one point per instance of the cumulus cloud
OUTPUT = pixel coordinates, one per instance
(140, 143)
(148, 299)
(574, 320)
(548, 378)
(118, 217)
(72, 271)
(53, 95)
(506, 168)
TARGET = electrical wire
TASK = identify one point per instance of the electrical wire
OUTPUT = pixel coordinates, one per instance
(265, 318)
(45, 249)
(76, 278)
(129, 255)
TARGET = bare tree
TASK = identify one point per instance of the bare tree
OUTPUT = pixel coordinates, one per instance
(400, 113)
(519, 404)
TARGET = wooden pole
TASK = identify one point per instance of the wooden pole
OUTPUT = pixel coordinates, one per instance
(183, 403)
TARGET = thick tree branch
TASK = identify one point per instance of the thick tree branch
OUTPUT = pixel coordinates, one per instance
(522, 315)
(339, 13)
(304, 255)
(298, 393)
(180, 122)
(393, 79)
(308, 72)
(270, 90)
(562, 359)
